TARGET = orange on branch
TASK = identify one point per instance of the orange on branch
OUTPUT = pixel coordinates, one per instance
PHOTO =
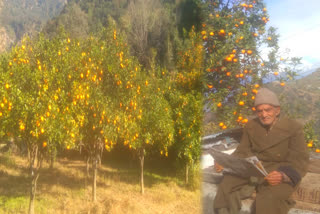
(219, 104)
(209, 86)
(241, 103)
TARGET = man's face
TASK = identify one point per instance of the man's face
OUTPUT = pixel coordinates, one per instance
(267, 114)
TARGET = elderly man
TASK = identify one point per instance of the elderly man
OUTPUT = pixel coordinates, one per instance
(279, 144)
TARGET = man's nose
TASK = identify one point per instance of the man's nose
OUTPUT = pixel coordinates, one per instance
(264, 113)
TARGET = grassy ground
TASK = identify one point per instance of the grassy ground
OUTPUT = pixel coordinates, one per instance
(65, 189)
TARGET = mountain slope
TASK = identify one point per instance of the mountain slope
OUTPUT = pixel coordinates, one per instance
(20, 17)
(300, 99)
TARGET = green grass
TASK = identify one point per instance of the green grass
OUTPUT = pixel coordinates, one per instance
(66, 189)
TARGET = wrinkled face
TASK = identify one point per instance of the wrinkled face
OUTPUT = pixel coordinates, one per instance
(267, 114)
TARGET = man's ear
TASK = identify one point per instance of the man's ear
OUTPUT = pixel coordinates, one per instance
(278, 110)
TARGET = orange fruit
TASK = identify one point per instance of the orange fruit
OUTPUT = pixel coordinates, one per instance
(317, 150)
(44, 144)
(244, 120)
(282, 84)
(221, 124)
(310, 145)
(241, 103)
(219, 104)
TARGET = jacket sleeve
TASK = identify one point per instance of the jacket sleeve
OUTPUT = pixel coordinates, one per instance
(297, 158)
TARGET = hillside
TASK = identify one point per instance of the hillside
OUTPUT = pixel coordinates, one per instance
(301, 98)
(20, 17)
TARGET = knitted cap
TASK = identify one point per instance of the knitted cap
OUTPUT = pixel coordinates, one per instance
(265, 96)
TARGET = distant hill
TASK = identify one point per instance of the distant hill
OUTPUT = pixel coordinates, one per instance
(20, 17)
(300, 99)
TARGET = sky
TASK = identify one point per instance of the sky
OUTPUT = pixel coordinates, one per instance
(298, 23)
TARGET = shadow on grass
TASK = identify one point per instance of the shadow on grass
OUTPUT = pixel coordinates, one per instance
(72, 176)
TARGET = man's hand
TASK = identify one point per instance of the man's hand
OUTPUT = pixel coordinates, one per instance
(274, 178)
(218, 167)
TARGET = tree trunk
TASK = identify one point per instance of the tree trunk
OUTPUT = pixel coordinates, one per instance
(34, 180)
(187, 173)
(35, 165)
(88, 165)
(94, 180)
(141, 157)
(52, 158)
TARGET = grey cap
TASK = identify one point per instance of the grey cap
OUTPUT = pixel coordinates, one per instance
(265, 96)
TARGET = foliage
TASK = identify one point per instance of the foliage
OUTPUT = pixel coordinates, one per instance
(241, 52)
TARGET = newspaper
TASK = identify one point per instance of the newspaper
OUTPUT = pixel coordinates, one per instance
(243, 167)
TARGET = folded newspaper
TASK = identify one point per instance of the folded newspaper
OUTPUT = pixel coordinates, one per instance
(243, 167)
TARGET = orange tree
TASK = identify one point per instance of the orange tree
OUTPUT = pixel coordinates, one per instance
(150, 127)
(240, 53)
(99, 93)
(31, 85)
(5, 102)
(186, 100)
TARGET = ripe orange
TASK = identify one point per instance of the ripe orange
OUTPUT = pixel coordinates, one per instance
(310, 145)
(249, 52)
(269, 38)
(219, 104)
(276, 73)
(282, 84)
(241, 103)
(244, 120)
(221, 124)
(44, 144)
(211, 33)
(317, 150)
